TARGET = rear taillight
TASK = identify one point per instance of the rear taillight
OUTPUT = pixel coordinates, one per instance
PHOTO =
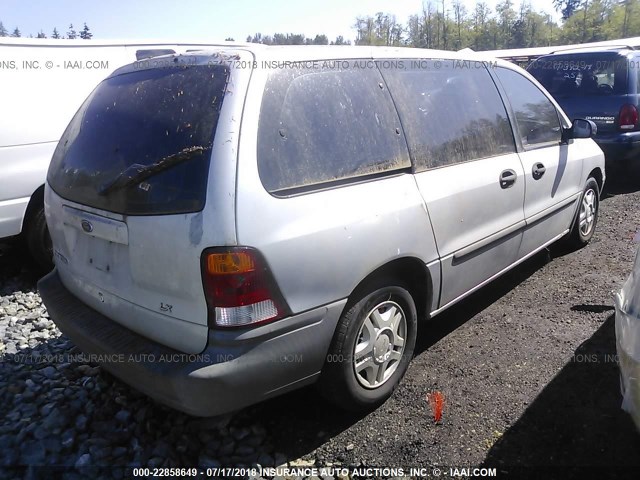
(239, 288)
(628, 117)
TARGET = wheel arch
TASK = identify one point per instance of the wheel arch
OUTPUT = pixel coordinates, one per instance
(36, 201)
(597, 174)
(411, 272)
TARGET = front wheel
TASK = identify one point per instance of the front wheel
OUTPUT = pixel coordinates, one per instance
(371, 349)
(584, 225)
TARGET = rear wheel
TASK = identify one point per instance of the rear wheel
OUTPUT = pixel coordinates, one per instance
(585, 222)
(371, 349)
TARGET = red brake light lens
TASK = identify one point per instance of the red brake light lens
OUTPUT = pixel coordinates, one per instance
(239, 288)
(628, 117)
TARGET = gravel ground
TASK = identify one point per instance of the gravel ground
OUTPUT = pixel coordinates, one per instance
(526, 365)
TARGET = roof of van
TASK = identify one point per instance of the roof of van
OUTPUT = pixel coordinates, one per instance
(266, 56)
(302, 53)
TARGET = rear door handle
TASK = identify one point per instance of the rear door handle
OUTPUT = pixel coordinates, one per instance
(538, 170)
(507, 178)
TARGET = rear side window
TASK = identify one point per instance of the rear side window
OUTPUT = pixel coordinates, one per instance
(327, 124)
(163, 116)
(536, 117)
(450, 114)
(582, 75)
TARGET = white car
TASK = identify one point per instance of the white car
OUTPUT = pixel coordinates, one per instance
(44, 82)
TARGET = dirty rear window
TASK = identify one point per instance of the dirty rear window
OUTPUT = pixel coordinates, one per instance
(582, 75)
(322, 125)
(135, 120)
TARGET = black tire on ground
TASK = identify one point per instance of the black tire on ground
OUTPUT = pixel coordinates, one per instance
(38, 239)
(382, 308)
(586, 219)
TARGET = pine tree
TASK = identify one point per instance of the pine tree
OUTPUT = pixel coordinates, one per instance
(16, 33)
(55, 33)
(41, 34)
(3, 31)
(72, 34)
(85, 34)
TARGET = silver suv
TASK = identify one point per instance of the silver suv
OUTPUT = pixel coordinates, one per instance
(232, 225)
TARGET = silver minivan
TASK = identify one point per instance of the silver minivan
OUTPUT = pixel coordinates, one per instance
(234, 225)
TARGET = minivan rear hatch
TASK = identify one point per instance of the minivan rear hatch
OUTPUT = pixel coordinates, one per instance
(129, 181)
(591, 85)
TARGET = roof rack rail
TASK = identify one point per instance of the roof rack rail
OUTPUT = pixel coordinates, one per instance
(578, 47)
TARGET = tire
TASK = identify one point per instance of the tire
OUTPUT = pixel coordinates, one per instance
(375, 335)
(38, 239)
(586, 219)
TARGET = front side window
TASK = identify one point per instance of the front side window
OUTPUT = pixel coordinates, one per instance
(321, 125)
(536, 117)
(451, 112)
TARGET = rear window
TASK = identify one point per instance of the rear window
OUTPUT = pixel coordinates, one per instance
(163, 116)
(588, 74)
(322, 125)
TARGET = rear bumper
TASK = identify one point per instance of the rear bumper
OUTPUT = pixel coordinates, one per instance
(620, 147)
(238, 368)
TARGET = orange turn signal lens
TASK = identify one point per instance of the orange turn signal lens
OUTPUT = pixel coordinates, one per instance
(230, 263)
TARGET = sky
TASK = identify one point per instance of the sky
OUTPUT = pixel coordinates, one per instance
(181, 20)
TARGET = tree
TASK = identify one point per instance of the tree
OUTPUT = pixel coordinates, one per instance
(415, 30)
(229, 39)
(3, 31)
(459, 16)
(41, 34)
(506, 20)
(481, 35)
(71, 34)
(383, 29)
(341, 41)
(566, 7)
(321, 40)
(630, 24)
(85, 34)
(442, 19)
(364, 30)
(16, 33)
(55, 33)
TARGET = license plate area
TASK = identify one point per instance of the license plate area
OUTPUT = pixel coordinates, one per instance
(99, 254)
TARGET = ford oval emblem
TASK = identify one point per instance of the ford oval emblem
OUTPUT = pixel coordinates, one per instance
(87, 226)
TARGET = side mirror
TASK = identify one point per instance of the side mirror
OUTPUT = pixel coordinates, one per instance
(580, 128)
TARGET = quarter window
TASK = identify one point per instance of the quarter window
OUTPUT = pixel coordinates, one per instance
(451, 112)
(536, 117)
(320, 125)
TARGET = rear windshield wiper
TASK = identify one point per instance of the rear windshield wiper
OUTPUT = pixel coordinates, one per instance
(136, 173)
